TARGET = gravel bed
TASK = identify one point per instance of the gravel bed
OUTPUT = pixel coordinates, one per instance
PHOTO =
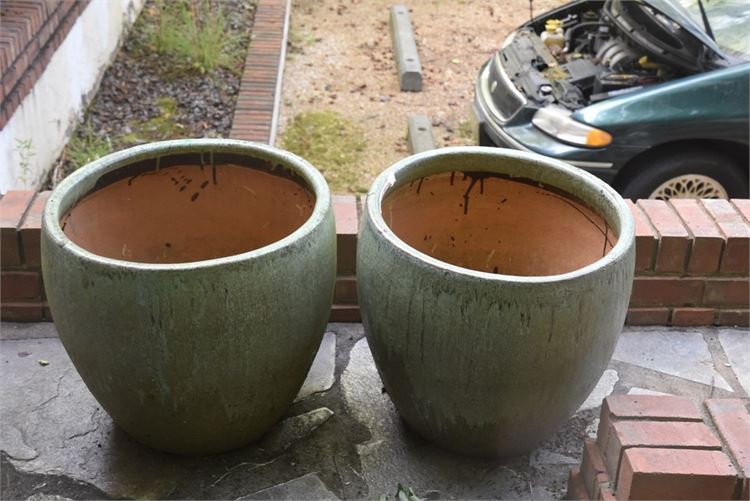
(140, 80)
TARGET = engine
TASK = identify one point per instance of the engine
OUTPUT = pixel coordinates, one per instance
(585, 58)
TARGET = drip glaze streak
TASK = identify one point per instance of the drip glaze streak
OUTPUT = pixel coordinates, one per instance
(529, 236)
(147, 217)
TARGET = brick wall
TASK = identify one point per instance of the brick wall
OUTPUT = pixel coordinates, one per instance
(32, 32)
(665, 447)
(691, 261)
(21, 289)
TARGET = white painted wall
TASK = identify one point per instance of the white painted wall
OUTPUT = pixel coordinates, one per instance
(47, 116)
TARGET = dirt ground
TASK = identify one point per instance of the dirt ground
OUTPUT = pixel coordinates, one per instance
(340, 58)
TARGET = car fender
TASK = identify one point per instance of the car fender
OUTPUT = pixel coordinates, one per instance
(711, 105)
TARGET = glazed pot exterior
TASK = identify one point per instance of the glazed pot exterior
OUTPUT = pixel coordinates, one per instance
(196, 357)
(481, 363)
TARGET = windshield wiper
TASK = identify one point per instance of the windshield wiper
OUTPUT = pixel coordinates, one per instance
(706, 24)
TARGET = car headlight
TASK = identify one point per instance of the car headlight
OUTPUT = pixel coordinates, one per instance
(556, 121)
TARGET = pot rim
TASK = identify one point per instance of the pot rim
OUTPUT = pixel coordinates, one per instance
(79, 184)
(421, 164)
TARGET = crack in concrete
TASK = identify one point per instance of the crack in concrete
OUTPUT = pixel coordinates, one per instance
(57, 390)
(87, 432)
(255, 466)
(721, 363)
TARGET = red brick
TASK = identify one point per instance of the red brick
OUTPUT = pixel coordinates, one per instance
(347, 226)
(345, 313)
(22, 312)
(646, 239)
(12, 208)
(691, 317)
(601, 482)
(727, 292)
(651, 407)
(606, 494)
(647, 316)
(669, 474)
(30, 230)
(667, 291)
(345, 209)
(346, 290)
(576, 487)
(743, 207)
(47, 313)
(737, 318)
(662, 434)
(592, 467)
(673, 236)
(19, 285)
(707, 241)
(732, 419)
(736, 257)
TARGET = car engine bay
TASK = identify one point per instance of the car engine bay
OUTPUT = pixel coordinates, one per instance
(600, 50)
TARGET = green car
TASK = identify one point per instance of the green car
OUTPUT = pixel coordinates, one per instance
(649, 95)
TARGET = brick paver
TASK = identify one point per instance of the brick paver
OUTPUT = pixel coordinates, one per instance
(256, 111)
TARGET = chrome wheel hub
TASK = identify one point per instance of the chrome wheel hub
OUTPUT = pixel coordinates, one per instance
(689, 186)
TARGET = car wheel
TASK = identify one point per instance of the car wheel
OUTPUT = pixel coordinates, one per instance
(687, 174)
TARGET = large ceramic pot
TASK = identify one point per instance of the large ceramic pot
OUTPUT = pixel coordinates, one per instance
(493, 286)
(191, 282)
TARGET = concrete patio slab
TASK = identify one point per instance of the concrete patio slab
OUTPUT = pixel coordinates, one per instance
(305, 487)
(736, 344)
(644, 391)
(604, 387)
(341, 439)
(321, 377)
(681, 353)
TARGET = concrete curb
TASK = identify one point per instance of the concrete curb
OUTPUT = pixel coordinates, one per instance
(419, 134)
(405, 50)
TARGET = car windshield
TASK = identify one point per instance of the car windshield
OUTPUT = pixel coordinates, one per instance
(729, 20)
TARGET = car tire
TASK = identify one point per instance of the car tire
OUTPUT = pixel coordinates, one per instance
(691, 173)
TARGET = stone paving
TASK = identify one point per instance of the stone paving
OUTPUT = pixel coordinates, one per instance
(341, 439)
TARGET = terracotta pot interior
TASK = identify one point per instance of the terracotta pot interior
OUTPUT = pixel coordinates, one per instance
(184, 208)
(488, 222)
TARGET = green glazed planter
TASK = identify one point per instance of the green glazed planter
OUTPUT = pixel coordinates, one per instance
(202, 356)
(480, 362)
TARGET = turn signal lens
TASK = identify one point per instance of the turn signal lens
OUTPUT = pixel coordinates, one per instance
(598, 138)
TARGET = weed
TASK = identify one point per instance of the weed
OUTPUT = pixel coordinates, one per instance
(86, 146)
(331, 143)
(196, 34)
(161, 127)
(300, 39)
(466, 130)
(25, 150)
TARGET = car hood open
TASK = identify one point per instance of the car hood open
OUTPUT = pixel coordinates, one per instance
(679, 15)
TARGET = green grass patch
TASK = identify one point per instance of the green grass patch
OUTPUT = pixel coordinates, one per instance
(196, 34)
(466, 129)
(86, 146)
(161, 127)
(331, 143)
